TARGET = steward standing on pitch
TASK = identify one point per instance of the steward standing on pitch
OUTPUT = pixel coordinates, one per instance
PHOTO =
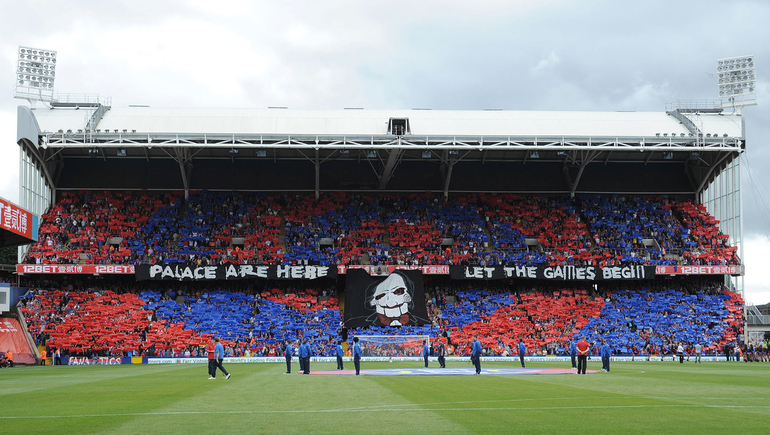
(441, 354)
(308, 353)
(605, 353)
(220, 356)
(476, 354)
(301, 355)
(425, 352)
(573, 352)
(340, 353)
(522, 352)
(582, 347)
(288, 353)
(356, 355)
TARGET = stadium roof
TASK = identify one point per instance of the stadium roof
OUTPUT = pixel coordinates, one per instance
(358, 122)
(75, 142)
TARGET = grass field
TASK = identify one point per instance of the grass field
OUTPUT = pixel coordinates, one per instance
(648, 397)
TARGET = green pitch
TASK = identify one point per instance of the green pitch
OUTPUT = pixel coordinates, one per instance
(650, 397)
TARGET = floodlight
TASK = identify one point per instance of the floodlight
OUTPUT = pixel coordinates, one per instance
(371, 154)
(35, 73)
(534, 155)
(261, 153)
(736, 76)
(233, 151)
(427, 154)
(668, 156)
(121, 152)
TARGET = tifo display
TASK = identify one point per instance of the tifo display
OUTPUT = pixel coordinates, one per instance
(634, 320)
(130, 228)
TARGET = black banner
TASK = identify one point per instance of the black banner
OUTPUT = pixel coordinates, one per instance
(146, 272)
(554, 273)
(395, 300)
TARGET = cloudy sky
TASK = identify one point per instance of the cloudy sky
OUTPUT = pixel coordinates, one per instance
(516, 54)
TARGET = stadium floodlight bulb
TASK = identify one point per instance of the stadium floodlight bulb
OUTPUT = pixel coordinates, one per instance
(36, 71)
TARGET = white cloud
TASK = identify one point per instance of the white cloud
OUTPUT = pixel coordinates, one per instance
(9, 157)
(546, 63)
(756, 250)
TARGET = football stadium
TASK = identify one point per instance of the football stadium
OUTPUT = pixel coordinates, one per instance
(214, 270)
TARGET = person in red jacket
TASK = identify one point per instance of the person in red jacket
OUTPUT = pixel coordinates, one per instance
(582, 347)
(210, 350)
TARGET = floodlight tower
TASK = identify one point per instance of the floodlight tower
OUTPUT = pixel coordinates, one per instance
(737, 82)
(35, 74)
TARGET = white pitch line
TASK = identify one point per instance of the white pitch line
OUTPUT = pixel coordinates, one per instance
(343, 410)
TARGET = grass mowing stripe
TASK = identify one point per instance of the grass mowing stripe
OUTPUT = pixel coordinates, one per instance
(277, 402)
(418, 409)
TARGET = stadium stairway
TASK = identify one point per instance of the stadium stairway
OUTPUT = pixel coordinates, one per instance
(364, 259)
(386, 237)
(282, 234)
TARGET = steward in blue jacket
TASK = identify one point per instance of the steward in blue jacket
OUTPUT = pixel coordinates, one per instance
(288, 354)
(476, 354)
(357, 355)
(340, 354)
(605, 353)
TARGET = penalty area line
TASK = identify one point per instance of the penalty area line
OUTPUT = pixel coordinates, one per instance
(344, 410)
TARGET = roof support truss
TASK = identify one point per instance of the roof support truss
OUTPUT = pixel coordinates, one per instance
(63, 140)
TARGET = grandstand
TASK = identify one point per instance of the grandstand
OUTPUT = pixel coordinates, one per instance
(545, 226)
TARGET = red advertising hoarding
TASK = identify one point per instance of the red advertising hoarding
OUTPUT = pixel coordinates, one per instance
(17, 220)
(699, 270)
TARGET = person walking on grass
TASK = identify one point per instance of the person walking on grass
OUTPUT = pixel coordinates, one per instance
(210, 352)
(219, 356)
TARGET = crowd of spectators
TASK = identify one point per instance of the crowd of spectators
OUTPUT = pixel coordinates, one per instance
(178, 321)
(407, 229)
(621, 224)
(553, 222)
(172, 322)
(641, 320)
(98, 228)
